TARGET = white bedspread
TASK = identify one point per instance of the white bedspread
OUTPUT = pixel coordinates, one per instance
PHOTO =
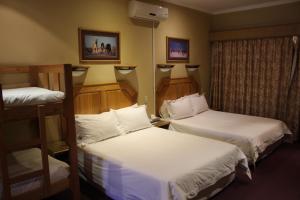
(30, 95)
(158, 164)
(252, 134)
(28, 161)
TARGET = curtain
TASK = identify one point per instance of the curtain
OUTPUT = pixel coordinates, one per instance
(253, 77)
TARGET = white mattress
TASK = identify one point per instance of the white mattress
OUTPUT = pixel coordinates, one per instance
(28, 161)
(156, 164)
(252, 134)
(30, 96)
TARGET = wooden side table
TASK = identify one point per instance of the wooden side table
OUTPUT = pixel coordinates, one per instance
(59, 150)
(162, 124)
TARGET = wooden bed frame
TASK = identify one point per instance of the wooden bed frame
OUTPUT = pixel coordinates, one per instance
(93, 99)
(170, 89)
(53, 77)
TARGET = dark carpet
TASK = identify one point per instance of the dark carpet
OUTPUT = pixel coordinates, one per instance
(276, 177)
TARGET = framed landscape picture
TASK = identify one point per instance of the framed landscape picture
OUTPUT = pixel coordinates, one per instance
(99, 46)
(177, 50)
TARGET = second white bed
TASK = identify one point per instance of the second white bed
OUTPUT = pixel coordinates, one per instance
(155, 164)
(252, 134)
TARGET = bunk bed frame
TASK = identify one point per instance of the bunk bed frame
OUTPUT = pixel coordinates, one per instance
(52, 77)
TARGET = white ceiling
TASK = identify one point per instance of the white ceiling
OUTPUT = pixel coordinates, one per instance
(226, 6)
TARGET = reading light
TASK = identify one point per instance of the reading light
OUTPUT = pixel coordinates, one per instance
(79, 70)
(164, 67)
(125, 69)
(192, 68)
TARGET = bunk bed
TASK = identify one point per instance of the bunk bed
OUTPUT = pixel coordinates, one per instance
(27, 171)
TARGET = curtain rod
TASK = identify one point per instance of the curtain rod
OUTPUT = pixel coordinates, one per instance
(259, 32)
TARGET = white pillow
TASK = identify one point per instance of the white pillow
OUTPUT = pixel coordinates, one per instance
(180, 108)
(94, 128)
(199, 104)
(133, 118)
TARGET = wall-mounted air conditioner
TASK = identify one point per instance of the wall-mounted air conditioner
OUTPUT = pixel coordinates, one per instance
(145, 11)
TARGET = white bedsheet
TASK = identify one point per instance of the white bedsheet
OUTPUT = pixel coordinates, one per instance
(30, 95)
(154, 164)
(28, 161)
(252, 134)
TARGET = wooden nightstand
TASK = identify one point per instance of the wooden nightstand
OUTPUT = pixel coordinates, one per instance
(59, 150)
(162, 124)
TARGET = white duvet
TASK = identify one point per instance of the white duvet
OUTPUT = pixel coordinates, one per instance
(252, 134)
(30, 95)
(30, 160)
(158, 164)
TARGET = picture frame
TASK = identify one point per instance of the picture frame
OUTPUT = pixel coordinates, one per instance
(99, 46)
(177, 50)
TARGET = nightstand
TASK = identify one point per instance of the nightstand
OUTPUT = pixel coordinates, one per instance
(59, 150)
(162, 124)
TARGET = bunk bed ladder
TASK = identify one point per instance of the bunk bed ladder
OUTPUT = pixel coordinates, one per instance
(44, 149)
(7, 181)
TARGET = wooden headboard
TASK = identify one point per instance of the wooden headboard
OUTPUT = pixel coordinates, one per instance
(170, 89)
(93, 99)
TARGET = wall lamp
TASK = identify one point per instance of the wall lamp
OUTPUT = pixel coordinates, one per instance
(125, 69)
(192, 68)
(79, 70)
(164, 67)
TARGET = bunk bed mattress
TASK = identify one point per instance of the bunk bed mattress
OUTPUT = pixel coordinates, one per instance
(30, 96)
(155, 164)
(252, 134)
(28, 161)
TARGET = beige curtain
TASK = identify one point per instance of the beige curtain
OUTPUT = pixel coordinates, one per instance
(252, 77)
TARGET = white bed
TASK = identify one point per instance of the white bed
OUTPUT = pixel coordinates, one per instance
(28, 161)
(251, 134)
(30, 95)
(155, 164)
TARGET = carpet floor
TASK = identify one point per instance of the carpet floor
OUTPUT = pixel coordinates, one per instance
(276, 177)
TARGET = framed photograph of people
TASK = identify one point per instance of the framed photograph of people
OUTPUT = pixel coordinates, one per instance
(177, 50)
(99, 46)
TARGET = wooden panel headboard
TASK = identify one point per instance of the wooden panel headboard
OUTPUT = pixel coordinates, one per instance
(170, 89)
(93, 99)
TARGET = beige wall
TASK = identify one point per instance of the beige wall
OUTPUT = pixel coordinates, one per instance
(45, 32)
(192, 25)
(276, 15)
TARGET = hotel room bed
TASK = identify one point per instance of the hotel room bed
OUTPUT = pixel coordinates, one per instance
(155, 163)
(30, 160)
(251, 134)
(188, 112)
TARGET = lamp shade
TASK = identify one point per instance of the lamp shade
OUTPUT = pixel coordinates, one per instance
(164, 67)
(79, 70)
(125, 69)
(192, 68)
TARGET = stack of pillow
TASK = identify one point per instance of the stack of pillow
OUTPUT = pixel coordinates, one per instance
(184, 107)
(98, 127)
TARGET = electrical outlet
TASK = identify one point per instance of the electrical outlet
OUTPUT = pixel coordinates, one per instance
(145, 100)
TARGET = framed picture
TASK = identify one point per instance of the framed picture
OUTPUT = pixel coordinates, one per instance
(177, 50)
(99, 46)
